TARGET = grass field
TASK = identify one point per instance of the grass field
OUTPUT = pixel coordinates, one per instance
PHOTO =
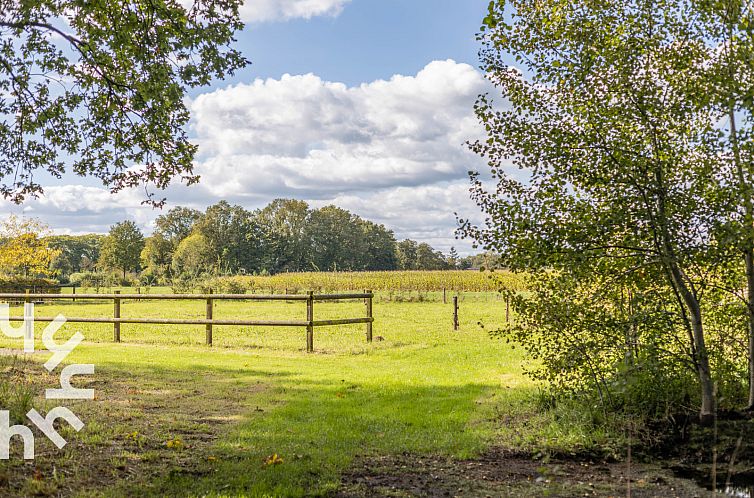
(173, 417)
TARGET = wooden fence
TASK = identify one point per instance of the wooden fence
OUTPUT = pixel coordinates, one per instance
(310, 298)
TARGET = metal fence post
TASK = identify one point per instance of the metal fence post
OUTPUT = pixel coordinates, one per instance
(116, 314)
(73, 291)
(455, 312)
(209, 317)
(310, 322)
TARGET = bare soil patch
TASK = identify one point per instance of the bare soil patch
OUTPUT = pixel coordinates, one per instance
(499, 473)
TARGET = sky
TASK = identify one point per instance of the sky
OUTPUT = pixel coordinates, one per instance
(365, 104)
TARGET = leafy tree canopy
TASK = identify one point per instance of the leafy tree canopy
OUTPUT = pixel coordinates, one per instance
(122, 247)
(98, 88)
(25, 251)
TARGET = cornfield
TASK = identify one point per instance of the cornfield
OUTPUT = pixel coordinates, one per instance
(426, 281)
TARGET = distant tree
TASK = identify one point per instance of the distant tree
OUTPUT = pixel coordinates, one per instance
(337, 240)
(156, 256)
(453, 260)
(407, 255)
(235, 240)
(487, 260)
(77, 253)
(193, 257)
(176, 224)
(283, 224)
(25, 250)
(98, 87)
(122, 247)
(429, 259)
(381, 253)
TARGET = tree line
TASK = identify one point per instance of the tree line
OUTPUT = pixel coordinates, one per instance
(285, 236)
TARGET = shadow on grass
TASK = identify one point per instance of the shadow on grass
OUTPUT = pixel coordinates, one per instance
(319, 429)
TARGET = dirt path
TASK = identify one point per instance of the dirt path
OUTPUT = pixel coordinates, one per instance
(499, 473)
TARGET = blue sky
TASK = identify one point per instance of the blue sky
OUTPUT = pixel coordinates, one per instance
(366, 104)
(368, 40)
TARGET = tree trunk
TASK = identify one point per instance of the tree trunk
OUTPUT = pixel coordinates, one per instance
(749, 260)
(707, 411)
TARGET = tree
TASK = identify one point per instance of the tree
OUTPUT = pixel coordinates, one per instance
(76, 253)
(176, 224)
(283, 223)
(453, 259)
(725, 28)
(122, 247)
(429, 259)
(193, 257)
(620, 185)
(234, 239)
(25, 251)
(337, 240)
(97, 88)
(407, 255)
(381, 251)
(156, 256)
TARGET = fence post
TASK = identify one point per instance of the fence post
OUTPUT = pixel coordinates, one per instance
(310, 325)
(27, 299)
(209, 317)
(116, 314)
(369, 315)
(73, 291)
(507, 309)
(444, 298)
(455, 312)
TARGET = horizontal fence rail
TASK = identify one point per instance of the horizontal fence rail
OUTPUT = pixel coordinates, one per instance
(310, 323)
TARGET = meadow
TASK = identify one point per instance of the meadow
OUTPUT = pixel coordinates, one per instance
(255, 415)
(423, 407)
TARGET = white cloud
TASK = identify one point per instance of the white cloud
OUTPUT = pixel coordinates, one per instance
(425, 213)
(391, 151)
(77, 209)
(273, 10)
(303, 136)
(282, 10)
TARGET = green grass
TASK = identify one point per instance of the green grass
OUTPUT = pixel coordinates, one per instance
(423, 389)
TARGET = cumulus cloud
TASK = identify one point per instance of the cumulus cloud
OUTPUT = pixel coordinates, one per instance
(78, 209)
(426, 213)
(391, 151)
(273, 10)
(308, 137)
(282, 10)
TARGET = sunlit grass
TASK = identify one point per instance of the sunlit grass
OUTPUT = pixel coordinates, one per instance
(423, 388)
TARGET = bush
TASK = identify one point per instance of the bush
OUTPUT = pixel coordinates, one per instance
(229, 285)
(90, 279)
(21, 284)
(611, 344)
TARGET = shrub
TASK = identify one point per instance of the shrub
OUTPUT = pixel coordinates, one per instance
(90, 279)
(21, 284)
(611, 344)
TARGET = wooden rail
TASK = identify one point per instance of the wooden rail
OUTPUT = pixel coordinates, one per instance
(117, 298)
